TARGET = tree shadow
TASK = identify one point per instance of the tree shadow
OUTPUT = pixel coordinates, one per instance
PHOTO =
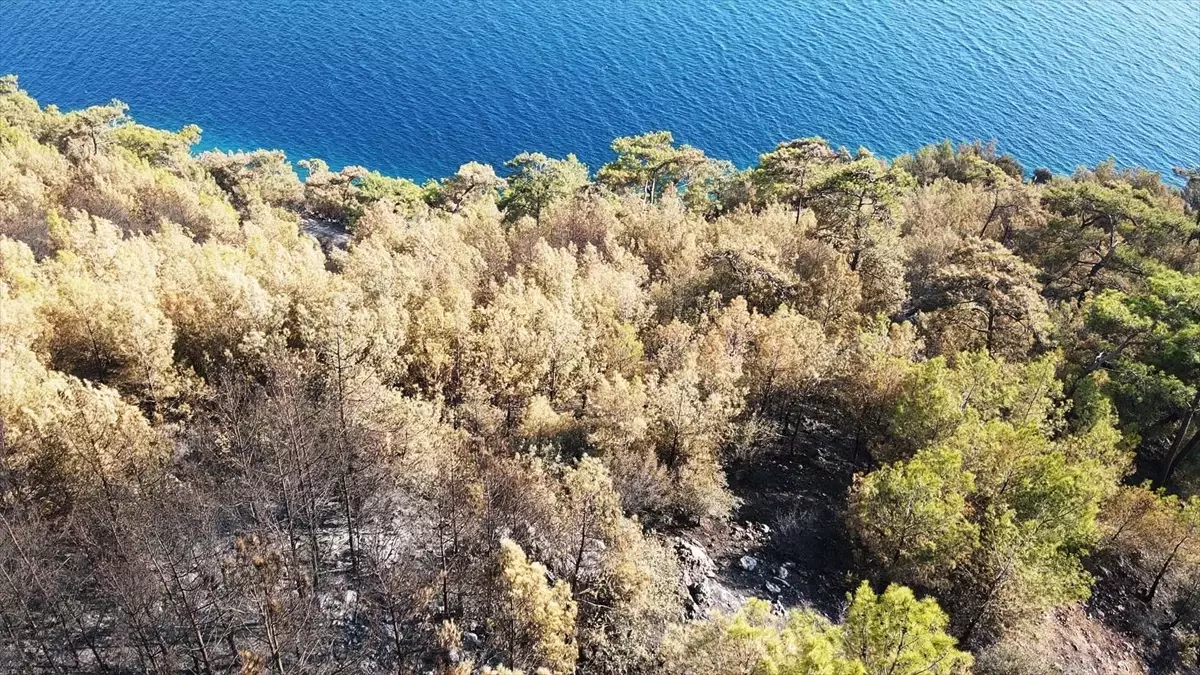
(796, 488)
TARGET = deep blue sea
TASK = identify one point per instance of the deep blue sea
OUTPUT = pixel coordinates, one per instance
(417, 87)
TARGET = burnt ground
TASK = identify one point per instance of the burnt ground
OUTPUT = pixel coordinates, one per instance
(329, 233)
(786, 541)
(789, 522)
(1117, 603)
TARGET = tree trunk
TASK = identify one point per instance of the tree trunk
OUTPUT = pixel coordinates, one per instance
(1179, 449)
(1162, 571)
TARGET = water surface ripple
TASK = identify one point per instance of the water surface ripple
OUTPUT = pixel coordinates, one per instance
(417, 87)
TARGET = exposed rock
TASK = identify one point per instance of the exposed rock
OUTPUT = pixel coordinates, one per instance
(695, 570)
(748, 563)
(701, 578)
(694, 563)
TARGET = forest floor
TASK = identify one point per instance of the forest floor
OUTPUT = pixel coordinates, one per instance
(1074, 640)
(785, 541)
(1117, 605)
(329, 233)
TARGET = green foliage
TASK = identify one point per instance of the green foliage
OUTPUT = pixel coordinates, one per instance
(936, 396)
(1034, 508)
(913, 516)
(787, 172)
(999, 509)
(473, 181)
(855, 205)
(259, 176)
(982, 296)
(968, 163)
(1014, 576)
(80, 134)
(754, 641)
(647, 164)
(1151, 342)
(538, 624)
(892, 632)
(155, 146)
(537, 181)
(374, 187)
(1104, 232)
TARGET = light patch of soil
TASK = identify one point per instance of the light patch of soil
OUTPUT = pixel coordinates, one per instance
(1072, 642)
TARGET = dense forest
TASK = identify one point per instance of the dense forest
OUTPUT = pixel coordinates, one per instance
(833, 414)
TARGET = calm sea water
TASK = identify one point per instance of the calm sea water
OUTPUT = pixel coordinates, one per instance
(417, 87)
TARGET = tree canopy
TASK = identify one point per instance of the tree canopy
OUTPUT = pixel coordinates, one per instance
(262, 420)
